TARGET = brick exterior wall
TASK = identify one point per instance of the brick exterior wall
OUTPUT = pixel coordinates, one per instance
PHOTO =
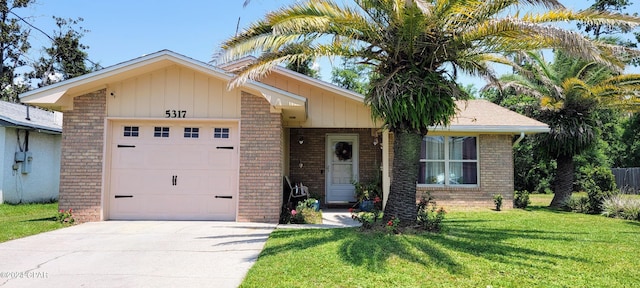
(260, 162)
(81, 160)
(312, 154)
(496, 177)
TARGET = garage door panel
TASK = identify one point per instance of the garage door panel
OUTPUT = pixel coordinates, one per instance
(187, 182)
(127, 158)
(139, 181)
(175, 178)
(173, 157)
(221, 158)
(171, 207)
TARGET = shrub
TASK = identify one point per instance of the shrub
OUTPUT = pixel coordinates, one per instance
(497, 199)
(598, 182)
(393, 225)
(310, 216)
(429, 217)
(367, 219)
(521, 199)
(596, 197)
(631, 210)
(590, 178)
(306, 213)
(65, 216)
(578, 204)
(617, 206)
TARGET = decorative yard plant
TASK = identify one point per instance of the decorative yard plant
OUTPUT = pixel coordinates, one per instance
(497, 199)
(306, 213)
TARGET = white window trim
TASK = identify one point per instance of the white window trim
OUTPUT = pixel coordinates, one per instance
(447, 161)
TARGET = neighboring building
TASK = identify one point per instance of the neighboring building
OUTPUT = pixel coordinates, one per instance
(161, 137)
(30, 141)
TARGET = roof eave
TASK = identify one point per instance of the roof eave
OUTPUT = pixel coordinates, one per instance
(492, 129)
(29, 126)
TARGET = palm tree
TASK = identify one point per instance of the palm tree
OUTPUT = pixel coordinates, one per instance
(416, 48)
(570, 90)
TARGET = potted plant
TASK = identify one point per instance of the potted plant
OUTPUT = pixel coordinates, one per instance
(367, 194)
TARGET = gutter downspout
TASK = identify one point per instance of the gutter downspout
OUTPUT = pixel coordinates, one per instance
(519, 139)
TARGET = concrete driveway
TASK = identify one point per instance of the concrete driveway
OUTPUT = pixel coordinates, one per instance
(135, 254)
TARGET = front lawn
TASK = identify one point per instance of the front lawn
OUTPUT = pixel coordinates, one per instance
(513, 248)
(17, 221)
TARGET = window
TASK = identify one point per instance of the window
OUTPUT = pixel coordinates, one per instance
(162, 132)
(131, 131)
(221, 133)
(191, 132)
(449, 160)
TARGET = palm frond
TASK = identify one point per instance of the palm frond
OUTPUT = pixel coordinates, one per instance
(632, 80)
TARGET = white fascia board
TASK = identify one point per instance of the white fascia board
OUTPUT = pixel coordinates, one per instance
(492, 129)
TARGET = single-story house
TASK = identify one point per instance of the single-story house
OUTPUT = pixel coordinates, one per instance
(161, 137)
(30, 140)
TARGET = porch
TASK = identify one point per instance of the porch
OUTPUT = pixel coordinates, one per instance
(313, 160)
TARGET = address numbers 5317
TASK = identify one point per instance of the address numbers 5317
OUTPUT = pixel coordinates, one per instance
(175, 113)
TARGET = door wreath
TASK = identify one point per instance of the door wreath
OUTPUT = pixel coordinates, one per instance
(343, 150)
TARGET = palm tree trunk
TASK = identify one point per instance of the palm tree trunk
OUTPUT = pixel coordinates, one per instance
(564, 181)
(402, 194)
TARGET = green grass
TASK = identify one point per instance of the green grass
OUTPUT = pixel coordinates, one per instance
(537, 247)
(542, 199)
(17, 221)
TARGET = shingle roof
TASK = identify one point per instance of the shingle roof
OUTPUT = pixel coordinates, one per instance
(484, 116)
(15, 115)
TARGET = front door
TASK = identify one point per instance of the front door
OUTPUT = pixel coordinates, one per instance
(342, 167)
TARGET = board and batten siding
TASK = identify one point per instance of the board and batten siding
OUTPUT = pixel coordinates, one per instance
(173, 88)
(326, 109)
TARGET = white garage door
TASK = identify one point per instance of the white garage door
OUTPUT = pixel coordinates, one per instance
(174, 171)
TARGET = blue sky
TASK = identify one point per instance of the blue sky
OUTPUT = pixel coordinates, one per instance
(122, 30)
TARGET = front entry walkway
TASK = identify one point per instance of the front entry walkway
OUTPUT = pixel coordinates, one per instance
(135, 254)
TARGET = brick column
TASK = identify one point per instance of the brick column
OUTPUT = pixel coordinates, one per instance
(260, 195)
(81, 161)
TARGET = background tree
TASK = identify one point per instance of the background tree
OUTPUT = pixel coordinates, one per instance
(305, 67)
(619, 34)
(416, 48)
(351, 75)
(301, 65)
(14, 44)
(631, 138)
(66, 57)
(601, 29)
(570, 91)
